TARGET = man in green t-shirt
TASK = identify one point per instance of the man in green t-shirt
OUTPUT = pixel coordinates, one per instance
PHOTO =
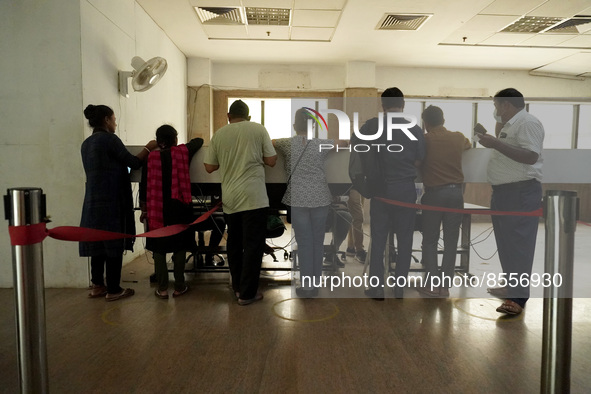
(240, 150)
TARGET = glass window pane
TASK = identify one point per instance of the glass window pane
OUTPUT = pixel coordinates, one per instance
(414, 108)
(484, 116)
(314, 103)
(558, 123)
(278, 118)
(584, 127)
(254, 107)
(457, 115)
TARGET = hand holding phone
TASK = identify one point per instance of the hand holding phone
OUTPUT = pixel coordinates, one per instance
(479, 129)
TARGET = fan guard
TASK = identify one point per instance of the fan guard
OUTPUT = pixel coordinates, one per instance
(144, 76)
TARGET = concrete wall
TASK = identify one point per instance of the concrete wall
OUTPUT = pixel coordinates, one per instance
(439, 82)
(57, 57)
(40, 108)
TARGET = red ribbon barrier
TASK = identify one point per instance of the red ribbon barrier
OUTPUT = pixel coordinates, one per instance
(537, 212)
(27, 235)
(35, 233)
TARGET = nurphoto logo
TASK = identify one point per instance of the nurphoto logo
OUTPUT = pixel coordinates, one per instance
(394, 121)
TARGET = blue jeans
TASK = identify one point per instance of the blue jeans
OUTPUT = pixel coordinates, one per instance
(309, 225)
(516, 235)
(385, 218)
(431, 222)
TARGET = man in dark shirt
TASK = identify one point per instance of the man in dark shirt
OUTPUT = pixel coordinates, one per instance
(399, 170)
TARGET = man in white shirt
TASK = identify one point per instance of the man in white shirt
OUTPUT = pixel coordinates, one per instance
(515, 172)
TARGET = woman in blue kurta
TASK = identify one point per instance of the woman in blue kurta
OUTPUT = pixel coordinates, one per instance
(108, 203)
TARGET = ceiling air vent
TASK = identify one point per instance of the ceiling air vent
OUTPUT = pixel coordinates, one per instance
(531, 24)
(576, 25)
(402, 21)
(220, 15)
(268, 16)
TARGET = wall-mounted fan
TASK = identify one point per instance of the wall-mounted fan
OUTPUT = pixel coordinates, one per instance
(144, 76)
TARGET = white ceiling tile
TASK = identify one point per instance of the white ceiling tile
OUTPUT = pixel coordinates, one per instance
(268, 3)
(488, 23)
(319, 5)
(511, 7)
(507, 39)
(576, 64)
(585, 29)
(582, 41)
(472, 37)
(561, 8)
(215, 3)
(225, 31)
(547, 40)
(311, 33)
(275, 32)
(315, 18)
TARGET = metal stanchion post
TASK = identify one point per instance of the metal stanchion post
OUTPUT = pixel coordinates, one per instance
(560, 213)
(26, 206)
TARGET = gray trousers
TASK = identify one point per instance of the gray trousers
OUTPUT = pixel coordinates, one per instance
(433, 221)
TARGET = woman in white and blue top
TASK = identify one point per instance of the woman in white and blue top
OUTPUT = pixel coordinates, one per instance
(309, 197)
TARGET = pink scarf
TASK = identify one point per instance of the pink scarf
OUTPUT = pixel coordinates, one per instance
(181, 183)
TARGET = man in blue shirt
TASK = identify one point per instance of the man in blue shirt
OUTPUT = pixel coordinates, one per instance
(397, 182)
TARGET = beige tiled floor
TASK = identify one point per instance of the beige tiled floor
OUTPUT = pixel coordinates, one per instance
(205, 342)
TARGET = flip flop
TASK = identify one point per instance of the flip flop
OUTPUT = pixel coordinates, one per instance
(160, 295)
(124, 293)
(510, 307)
(180, 293)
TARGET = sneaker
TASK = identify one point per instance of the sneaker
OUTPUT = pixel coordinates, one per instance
(331, 259)
(350, 252)
(257, 297)
(360, 256)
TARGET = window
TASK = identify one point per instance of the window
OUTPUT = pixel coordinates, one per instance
(557, 120)
(277, 114)
(315, 104)
(414, 108)
(584, 141)
(457, 115)
(484, 116)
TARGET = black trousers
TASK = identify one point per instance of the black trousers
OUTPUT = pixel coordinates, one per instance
(113, 272)
(516, 235)
(245, 246)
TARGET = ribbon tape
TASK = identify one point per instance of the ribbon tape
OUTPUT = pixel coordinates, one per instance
(35, 233)
(537, 212)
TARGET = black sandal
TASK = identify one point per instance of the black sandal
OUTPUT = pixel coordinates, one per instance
(160, 295)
